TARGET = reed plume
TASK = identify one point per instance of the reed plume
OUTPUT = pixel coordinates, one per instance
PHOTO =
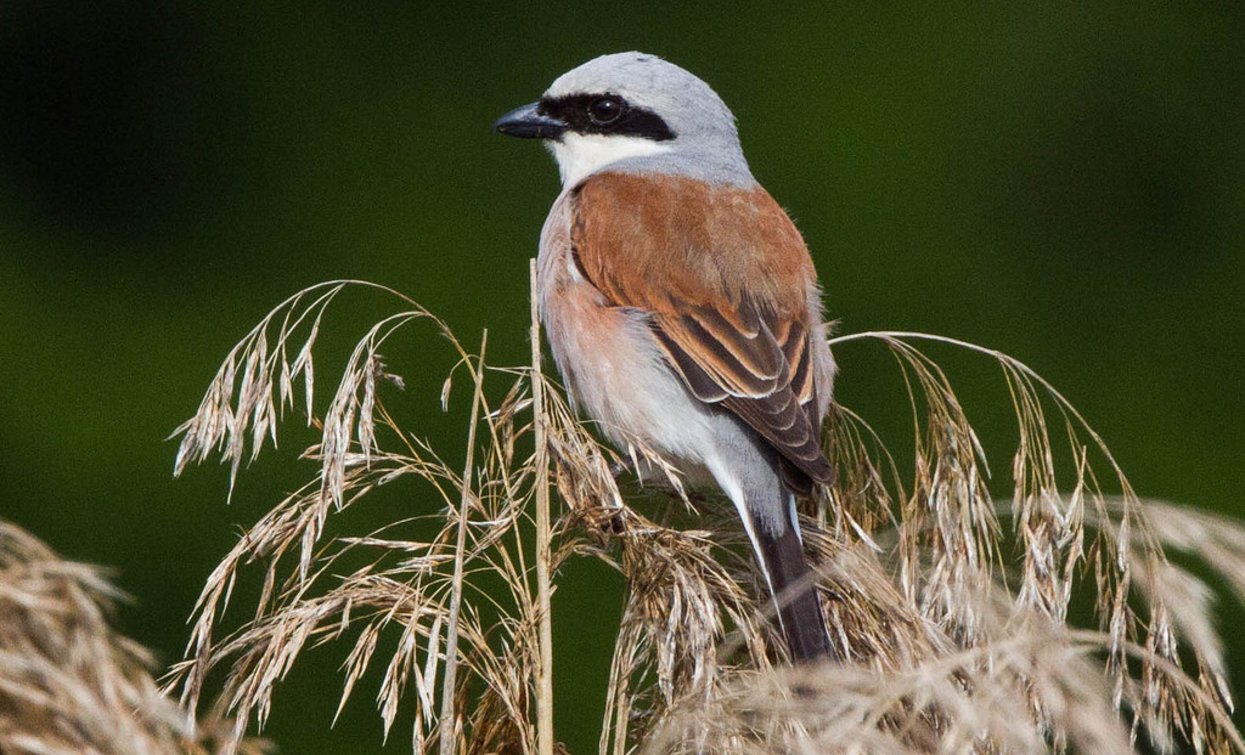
(956, 611)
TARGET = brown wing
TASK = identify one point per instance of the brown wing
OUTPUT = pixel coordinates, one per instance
(725, 276)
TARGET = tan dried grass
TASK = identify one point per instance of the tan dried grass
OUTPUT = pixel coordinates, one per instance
(954, 611)
(69, 682)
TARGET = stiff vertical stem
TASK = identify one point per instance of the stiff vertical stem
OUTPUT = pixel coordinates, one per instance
(544, 554)
(449, 729)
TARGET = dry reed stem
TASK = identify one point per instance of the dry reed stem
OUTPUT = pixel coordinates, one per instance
(544, 669)
(449, 733)
(954, 612)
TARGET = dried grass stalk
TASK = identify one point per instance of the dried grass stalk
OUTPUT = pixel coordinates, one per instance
(544, 542)
(70, 683)
(953, 611)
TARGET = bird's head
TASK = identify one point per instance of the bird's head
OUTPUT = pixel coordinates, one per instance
(632, 111)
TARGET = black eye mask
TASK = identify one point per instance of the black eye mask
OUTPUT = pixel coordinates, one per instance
(605, 114)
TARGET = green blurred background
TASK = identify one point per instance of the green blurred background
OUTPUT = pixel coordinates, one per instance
(1063, 184)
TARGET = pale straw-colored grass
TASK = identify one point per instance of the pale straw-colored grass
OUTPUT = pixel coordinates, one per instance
(69, 682)
(956, 613)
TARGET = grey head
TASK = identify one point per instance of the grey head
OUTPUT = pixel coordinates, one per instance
(633, 112)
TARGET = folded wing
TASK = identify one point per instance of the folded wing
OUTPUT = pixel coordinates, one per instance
(726, 280)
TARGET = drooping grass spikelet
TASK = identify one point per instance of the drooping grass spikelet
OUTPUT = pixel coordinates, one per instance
(953, 611)
(69, 682)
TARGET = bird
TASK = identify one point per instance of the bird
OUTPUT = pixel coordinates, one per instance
(681, 304)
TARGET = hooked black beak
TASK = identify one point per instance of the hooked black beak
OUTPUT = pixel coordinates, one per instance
(526, 123)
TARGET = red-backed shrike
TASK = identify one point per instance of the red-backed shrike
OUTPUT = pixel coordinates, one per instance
(681, 303)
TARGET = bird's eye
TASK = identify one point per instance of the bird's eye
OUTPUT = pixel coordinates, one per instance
(605, 110)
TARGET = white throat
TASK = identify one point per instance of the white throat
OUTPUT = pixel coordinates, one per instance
(580, 155)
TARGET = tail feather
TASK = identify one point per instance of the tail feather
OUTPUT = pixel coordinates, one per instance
(791, 581)
(766, 507)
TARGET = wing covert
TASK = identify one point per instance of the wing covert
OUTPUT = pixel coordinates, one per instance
(724, 276)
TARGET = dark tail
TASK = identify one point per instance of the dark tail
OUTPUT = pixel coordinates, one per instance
(799, 610)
